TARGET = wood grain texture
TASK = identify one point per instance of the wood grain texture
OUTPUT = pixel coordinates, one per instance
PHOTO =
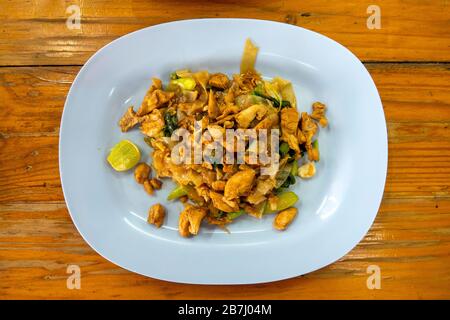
(410, 239)
(410, 30)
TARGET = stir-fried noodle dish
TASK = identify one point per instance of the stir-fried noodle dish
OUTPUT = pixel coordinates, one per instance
(234, 145)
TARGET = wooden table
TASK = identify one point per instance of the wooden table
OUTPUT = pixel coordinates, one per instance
(408, 58)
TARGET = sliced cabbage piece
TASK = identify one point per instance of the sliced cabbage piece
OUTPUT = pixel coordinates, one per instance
(249, 57)
(286, 90)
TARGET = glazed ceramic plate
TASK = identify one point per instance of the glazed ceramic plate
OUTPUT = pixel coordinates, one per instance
(336, 207)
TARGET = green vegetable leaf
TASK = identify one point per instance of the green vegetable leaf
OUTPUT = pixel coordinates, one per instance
(285, 104)
(290, 180)
(171, 121)
(284, 148)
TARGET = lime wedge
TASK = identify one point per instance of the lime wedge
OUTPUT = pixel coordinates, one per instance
(124, 156)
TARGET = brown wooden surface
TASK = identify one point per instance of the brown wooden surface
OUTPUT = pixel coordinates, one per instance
(411, 30)
(410, 239)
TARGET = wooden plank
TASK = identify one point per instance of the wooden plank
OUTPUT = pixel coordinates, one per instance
(409, 241)
(412, 92)
(32, 98)
(413, 31)
(418, 168)
(29, 169)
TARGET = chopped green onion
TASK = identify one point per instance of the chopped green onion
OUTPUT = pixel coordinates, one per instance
(219, 214)
(177, 193)
(291, 153)
(285, 104)
(290, 180)
(148, 141)
(234, 215)
(262, 207)
(273, 95)
(272, 90)
(259, 90)
(171, 121)
(294, 168)
(185, 83)
(285, 200)
(284, 148)
(275, 102)
(315, 146)
(282, 175)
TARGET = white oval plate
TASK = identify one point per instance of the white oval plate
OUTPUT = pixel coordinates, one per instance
(337, 206)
